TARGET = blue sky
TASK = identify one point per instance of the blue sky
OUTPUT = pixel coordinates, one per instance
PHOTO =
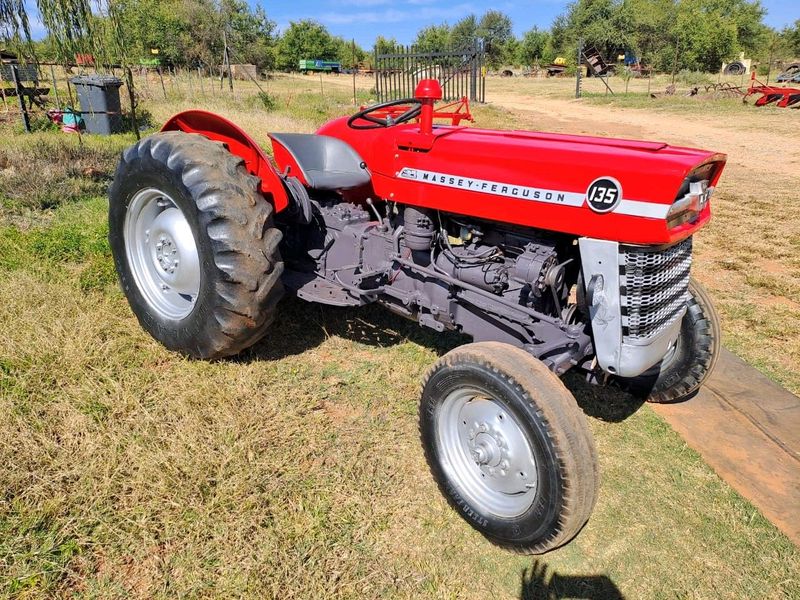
(366, 19)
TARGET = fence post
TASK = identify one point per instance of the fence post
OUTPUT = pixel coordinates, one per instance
(355, 100)
(55, 86)
(132, 98)
(578, 69)
(25, 118)
(473, 83)
(376, 74)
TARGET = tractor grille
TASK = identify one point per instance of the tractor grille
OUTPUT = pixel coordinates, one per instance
(654, 288)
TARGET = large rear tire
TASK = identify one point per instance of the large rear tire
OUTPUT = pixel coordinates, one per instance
(690, 362)
(508, 446)
(194, 245)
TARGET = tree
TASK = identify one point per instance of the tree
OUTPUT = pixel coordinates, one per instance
(532, 46)
(434, 38)
(385, 45)
(495, 28)
(250, 34)
(308, 40)
(13, 21)
(792, 36)
(464, 32)
(344, 53)
(705, 32)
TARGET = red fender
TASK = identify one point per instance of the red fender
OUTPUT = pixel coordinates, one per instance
(237, 142)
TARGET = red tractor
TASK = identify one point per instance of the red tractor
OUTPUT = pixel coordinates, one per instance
(553, 252)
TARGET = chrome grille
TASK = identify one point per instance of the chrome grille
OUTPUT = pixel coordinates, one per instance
(654, 288)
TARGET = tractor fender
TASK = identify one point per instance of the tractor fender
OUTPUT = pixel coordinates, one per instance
(220, 129)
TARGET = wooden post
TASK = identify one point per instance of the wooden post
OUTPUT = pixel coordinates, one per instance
(163, 89)
(55, 86)
(578, 70)
(25, 118)
(3, 93)
(132, 98)
(376, 75)
(355, 100)
(226, 62)
(675, 62)
(769, 64)
(200, 78)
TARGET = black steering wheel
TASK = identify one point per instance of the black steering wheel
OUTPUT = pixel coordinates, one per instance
(388, 120)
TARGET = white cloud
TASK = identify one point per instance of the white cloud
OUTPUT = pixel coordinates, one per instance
(393, 15)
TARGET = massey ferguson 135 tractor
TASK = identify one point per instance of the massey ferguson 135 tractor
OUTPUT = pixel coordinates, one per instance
(553, 252)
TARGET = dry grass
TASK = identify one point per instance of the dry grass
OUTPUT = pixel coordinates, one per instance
(295, 471)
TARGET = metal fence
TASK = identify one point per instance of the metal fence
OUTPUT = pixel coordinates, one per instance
(461, 72)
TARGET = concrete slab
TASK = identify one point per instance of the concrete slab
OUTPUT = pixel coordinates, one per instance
(747, 428)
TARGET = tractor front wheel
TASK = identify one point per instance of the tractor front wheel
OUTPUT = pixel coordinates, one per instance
(508, 446)
(689, 363)
(194, 245)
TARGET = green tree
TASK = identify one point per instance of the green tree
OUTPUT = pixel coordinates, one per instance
(434, 38)
(532, 46)
(251, 35)
(345, 53)
(305, 39)
(464, 32)
(495, 28)
(385, 45)
(792, 36)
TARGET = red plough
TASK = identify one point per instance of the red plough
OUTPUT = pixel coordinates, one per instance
(783, 97)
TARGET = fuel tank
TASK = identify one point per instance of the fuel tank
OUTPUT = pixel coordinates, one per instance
(606, 188)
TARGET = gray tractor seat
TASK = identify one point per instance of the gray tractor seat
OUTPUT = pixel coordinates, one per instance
(327, 162)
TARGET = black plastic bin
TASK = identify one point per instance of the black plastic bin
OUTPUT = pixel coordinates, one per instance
(98, 96)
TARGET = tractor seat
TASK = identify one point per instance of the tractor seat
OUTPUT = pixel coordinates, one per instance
(327, 162)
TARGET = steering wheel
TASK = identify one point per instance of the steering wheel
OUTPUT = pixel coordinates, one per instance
(388, 118)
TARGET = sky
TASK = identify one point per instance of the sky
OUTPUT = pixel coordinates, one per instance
(364, 20)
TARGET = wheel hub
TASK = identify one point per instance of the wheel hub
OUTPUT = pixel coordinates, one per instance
(162, 253)
(165, 254)
(488, 452)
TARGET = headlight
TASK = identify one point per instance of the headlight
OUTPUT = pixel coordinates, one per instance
(692, 204)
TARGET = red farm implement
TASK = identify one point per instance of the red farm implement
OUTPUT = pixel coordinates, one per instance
(783, 97)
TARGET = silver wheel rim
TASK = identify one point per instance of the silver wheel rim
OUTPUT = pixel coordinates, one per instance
(486, 453)
(162, 254)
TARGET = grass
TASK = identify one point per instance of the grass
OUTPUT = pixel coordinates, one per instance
(294, 470)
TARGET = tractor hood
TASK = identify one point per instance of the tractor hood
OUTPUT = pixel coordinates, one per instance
(605, 188)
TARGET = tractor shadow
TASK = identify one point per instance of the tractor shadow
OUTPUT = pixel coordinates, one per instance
(539, 583)
(301, 326)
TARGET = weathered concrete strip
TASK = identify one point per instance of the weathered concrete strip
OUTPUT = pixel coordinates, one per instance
(747, 428)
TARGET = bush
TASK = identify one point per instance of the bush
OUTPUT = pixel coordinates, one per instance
(267, 100)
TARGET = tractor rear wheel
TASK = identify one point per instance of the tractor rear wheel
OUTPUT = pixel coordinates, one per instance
(689, 363)
(194, 245)
(508, 446)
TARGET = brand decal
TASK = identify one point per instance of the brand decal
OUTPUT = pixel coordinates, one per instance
(496, 188)
(604, 194)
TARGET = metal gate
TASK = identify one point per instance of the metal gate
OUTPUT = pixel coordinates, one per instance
(460, 72)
